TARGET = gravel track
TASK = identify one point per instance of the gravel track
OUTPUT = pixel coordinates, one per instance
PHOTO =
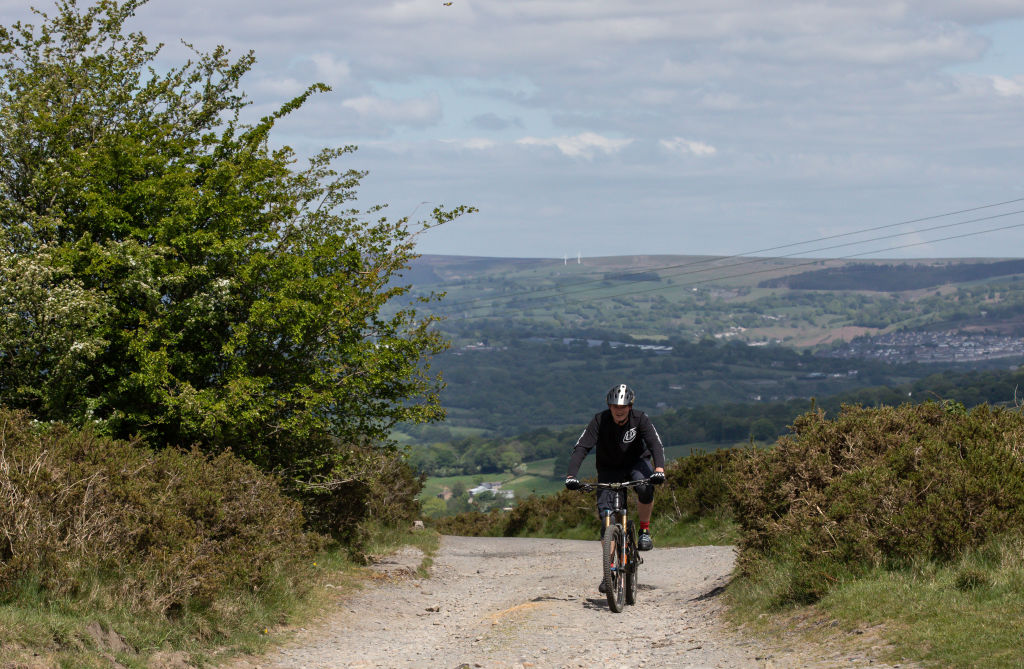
(511, 602)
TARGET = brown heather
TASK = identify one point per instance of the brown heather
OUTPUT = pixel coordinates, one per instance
(887, 486)
(84, 517)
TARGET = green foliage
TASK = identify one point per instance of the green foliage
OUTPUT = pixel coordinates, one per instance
(724, 424)
(360, 487)
(166, 273)
(695, 489)
(480, 455)
(85, 517)
(878, 487)
(534, 516)
(48, 320)
(968, 612)
(694, 380)
(697, 486)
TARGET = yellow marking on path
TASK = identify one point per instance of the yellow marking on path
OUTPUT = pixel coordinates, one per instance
(518, 608)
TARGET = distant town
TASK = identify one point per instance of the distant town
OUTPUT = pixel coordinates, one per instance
(940, 346)
(950, 346)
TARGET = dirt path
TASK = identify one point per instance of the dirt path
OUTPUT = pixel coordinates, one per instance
(499, 602)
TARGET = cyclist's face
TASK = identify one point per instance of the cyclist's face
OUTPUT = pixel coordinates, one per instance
(619, 413)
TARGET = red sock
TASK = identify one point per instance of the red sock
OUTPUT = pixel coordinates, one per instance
(645, 526)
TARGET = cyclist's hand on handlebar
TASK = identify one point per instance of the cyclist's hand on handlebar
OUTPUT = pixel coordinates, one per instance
(657, 478)
(572, 483)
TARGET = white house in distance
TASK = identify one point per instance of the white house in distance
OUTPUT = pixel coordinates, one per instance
(491, 486)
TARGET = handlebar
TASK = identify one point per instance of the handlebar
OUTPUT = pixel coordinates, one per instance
(590, 487)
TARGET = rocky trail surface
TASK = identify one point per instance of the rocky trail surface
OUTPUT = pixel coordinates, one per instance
(511, 602)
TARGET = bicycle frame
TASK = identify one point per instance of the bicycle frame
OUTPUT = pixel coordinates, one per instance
(620, 512)
(620, 585)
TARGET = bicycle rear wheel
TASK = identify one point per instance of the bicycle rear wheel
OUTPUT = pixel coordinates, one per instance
(632, 565)
(613, 545)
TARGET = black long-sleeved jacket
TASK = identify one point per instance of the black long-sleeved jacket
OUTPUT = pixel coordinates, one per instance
(618, 446)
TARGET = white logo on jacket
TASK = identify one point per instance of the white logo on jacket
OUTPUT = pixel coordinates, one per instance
(629, 436)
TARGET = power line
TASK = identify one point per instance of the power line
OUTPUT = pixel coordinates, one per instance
(798, 253)
(533, 297)
(806, 264)
(561, 290)
(846, 257)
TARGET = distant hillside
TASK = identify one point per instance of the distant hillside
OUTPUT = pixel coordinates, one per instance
(439, 268)
(444, 268)
(631, 276)
(500, 302)
(894, 278)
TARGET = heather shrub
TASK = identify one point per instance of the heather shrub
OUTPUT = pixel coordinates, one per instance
(549, 515)
(873, 487)
(473, 524)
(695, 486)
(360, 486)
(86, 517)
(533, 516)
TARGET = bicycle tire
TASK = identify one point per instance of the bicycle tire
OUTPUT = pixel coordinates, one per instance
(632, 564)
(613, 554)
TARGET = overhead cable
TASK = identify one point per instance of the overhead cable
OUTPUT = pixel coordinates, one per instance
(562, 290)
(806, 264)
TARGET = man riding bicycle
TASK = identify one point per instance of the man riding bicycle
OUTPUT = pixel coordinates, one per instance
(626, 442)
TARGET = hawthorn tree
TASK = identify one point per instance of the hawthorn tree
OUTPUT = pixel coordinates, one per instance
(165, 272)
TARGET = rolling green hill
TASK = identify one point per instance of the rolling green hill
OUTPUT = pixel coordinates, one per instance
(795, 302)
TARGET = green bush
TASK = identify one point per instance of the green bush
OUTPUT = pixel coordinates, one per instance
(695, 487)
(547, 516)
(878, 487)
(86, 517)
(186, 280)
(533, 516)
(361, 485)
(473, 524)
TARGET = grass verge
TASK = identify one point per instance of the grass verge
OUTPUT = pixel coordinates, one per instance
(964, 613)
(39, 631)
(713, 530)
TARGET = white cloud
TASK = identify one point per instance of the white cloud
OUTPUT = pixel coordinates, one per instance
(417, 112)
(282, 88)
(721, 101)
(583, 145)
(974, 12)
(882, 107)
(894, 46)
(330, 70)
(1008, 87)
(692, 72)
(472, 143)
(687, 146)
(655, 96)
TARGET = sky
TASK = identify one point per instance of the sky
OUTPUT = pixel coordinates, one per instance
(642, 127)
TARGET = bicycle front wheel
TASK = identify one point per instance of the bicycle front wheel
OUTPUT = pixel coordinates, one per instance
(613, 545)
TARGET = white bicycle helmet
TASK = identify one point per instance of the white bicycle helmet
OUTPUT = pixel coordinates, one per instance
(621, 395)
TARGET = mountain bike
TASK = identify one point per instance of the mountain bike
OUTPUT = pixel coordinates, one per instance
(618, 546)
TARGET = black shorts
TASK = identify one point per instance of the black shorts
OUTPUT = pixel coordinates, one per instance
(641, 469)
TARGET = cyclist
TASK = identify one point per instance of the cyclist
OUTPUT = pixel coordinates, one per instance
(626, 442)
